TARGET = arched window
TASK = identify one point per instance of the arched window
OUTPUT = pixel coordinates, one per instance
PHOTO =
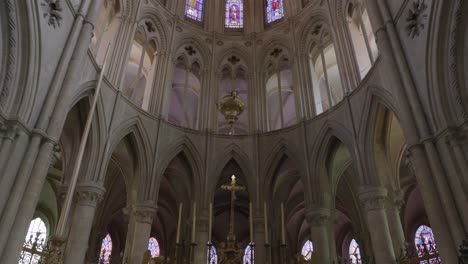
(360, 29)
(280, 96)
(140, 66)
(186, 90)
(280, 100)
(274, 10)
(212, 255)
(307, 250)
(106, 28)
(249, 255)
(426, 247)
(153, 246)
(106, 250)
(325, 73)
(35, 242)
(194, 9)
(234, 14)
(354, 252)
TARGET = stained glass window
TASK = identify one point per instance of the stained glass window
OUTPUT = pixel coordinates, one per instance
(248, 255)
(36, 240)
(194, 9)
(106, 250)
(426, 246)
(354, 252)
(153, 246)
(234, 14)
(274, 10)
(307, 250)
(212, 256)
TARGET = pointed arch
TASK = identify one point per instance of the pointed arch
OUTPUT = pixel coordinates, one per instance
(235, 153)
(331, 134)
(185, 147)
(143, 149)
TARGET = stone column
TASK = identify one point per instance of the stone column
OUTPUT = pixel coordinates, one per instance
(259, 240)
(394, 207)
(139, 230)
(87, 198)
(318, 220)
(201, 240)
(373, 201)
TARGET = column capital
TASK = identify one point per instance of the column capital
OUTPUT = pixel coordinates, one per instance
(373, 198)
(318, 216)
(89, 194)
(141, 213)
(398, 200)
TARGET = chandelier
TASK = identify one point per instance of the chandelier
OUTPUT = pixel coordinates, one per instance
(231, 106)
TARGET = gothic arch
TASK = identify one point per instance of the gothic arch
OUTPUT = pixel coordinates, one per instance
(268, 168)
(71, 139)
(21, 71)
(318, 19)
(150, 14)
(446, 70)
(330, 133)
(185, 147)
(134, 129)
(236, 50)
(235, 153)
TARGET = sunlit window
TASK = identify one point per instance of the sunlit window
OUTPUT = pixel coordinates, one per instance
(106, 250)
(153, 246)
(234, 14)
(426, 247)
(307, 250)
(354, 252)
(35, 242)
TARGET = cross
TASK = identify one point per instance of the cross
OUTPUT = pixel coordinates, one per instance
(233, 188)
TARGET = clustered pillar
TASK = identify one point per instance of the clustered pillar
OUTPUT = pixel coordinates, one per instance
(139, 231)
(87, 198)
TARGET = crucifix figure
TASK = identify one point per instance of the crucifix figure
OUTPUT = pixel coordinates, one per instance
(233, 188)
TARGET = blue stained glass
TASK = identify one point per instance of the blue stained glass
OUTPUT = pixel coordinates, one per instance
(106, 250)
(248, 255)
(234, 14)
(153, 246)
(307, 250)
(212, 256)
(194, 9)
(274, 10)
(354, 252)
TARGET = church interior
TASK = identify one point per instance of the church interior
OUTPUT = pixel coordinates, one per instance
(234, 131)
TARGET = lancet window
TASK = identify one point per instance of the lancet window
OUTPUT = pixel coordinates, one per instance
(106, 28)
(212, 255)
(274, 10)
(35, 242)
(194, 9)
(307, 250)
(362, 36)
(153, 246)
(106, 250)
(280, 91)
(186, 89)
(354, 252)
(234, 14)
(140, 66)
(249, 255)
(426, 247)
(325, 72)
